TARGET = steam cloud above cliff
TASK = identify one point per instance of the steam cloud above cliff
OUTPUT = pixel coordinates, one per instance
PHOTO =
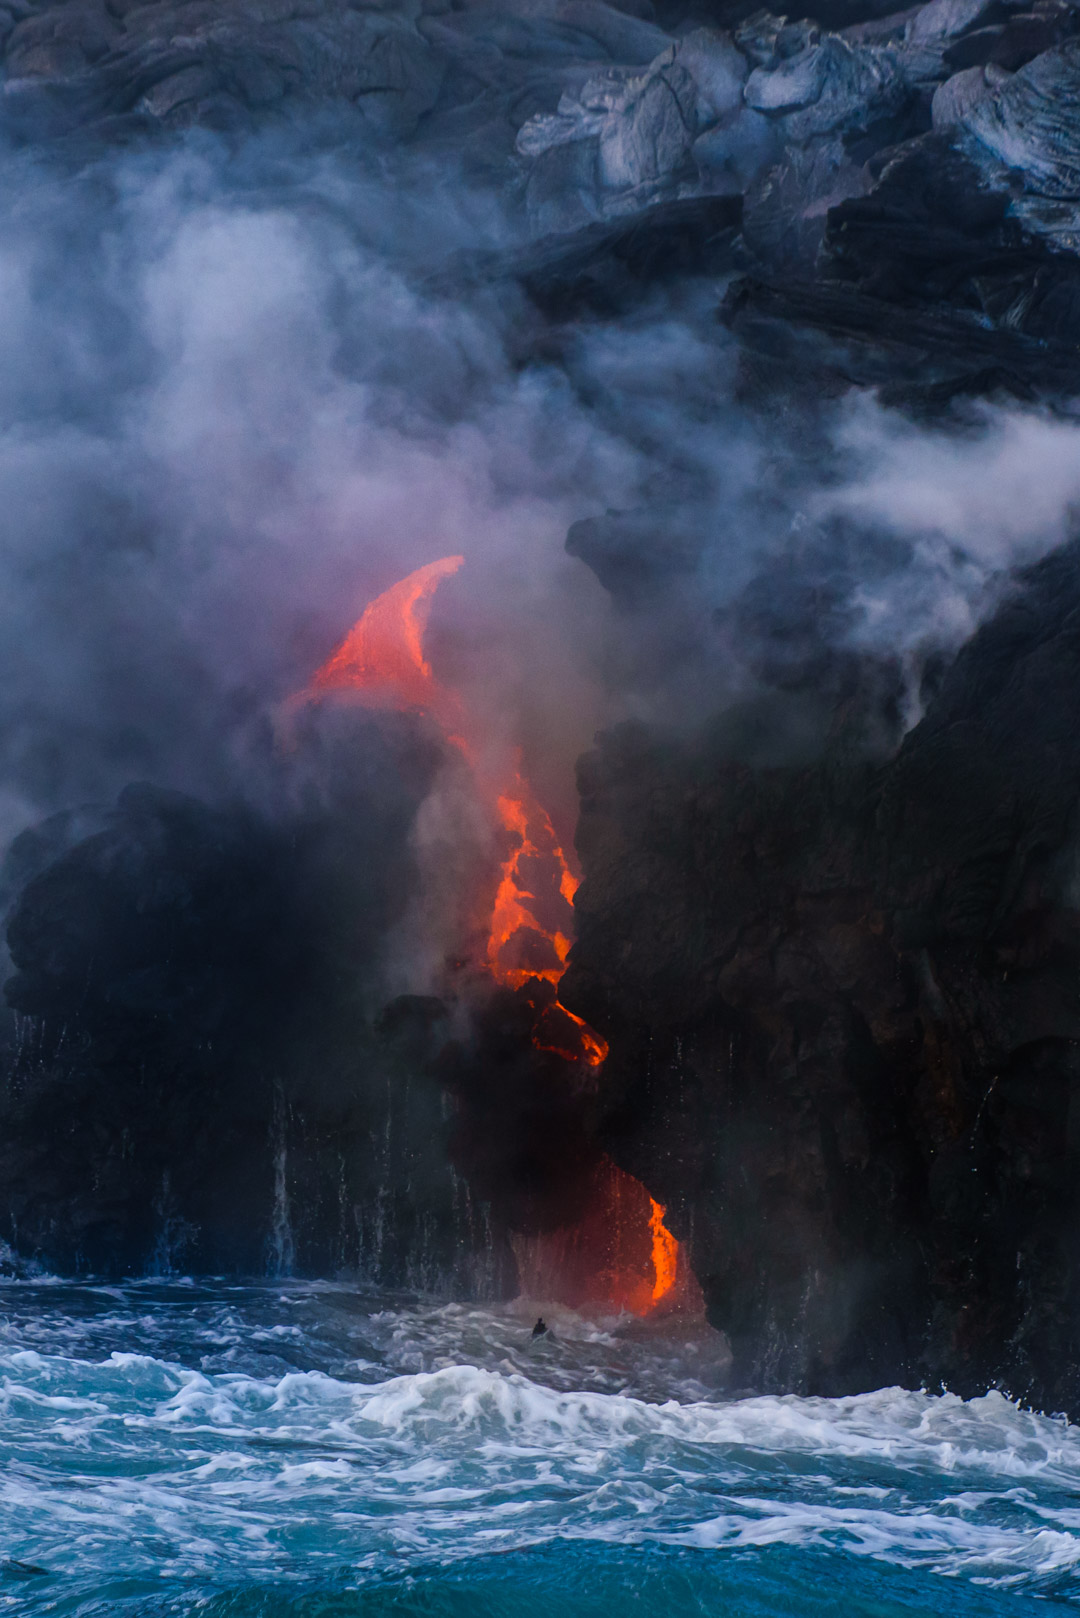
(242, 392)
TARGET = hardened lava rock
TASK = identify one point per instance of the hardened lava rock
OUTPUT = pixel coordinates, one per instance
(843, 1007)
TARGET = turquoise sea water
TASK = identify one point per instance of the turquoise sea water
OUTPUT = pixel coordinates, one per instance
(292, 1449)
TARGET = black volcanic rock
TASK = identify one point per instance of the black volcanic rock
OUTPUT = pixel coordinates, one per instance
(605, 269)
(834, 336)
(524, 1132)
(148, 66)
(206, 1077)
(844, 1014)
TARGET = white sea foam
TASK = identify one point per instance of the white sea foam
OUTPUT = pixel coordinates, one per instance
(143, 1465)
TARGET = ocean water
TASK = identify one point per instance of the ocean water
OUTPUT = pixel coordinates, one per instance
(296, 1449)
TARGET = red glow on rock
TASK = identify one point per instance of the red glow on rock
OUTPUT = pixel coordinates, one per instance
(619, 1256)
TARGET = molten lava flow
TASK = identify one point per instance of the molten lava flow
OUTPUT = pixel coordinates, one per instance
(574, 1040)
(383, 654)
(382, 660)
(619, 1254)
(665, 1252)
(511, 914)
(519, 946)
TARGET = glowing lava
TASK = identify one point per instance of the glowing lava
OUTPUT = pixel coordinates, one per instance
(665, 1252)
(511, 914)
(382, 660)
(383, 653)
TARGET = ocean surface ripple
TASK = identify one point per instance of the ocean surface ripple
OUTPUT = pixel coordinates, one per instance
(296, 1448)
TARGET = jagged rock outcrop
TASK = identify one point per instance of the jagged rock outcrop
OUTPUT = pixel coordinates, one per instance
(842, 999)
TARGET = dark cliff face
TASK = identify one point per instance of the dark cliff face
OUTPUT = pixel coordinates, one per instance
(211, 1071)
(843, 1001)
(208, 1075)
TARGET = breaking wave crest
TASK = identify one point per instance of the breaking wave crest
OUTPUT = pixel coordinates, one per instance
(132, 1472)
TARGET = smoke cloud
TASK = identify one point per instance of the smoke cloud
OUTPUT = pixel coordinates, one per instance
(245, 387)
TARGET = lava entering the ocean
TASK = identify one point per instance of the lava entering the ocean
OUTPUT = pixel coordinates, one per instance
(382, 661)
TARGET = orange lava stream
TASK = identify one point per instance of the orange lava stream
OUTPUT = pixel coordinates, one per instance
(383, 653)
(511, 912)
(382, 659)
(665, 1252)
(586, 1044)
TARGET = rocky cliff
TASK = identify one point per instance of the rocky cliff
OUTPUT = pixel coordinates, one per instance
(843, 1005)
(831, 932)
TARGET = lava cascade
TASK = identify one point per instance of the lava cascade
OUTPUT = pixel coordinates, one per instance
(381, 660)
